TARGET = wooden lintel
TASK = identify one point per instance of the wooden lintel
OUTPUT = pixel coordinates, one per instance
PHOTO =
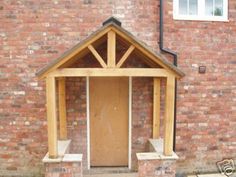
(156, 107)
(125, 56)
(111, 49)
(62, 108)
(97, 56)
(109, 72)
(169, 115)
(51, 117)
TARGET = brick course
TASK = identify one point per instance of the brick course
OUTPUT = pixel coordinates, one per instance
(33, 33)
(156, 168)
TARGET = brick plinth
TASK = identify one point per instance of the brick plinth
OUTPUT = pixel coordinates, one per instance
(64, 169)
(156, 168)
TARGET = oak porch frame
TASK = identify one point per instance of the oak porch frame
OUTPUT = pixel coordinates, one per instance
(95, 72)
(57, 71)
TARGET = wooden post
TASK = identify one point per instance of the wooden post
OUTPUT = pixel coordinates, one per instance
(51, 117)
(111, 49)
(62, 108)
(156, 107)
(169, 115)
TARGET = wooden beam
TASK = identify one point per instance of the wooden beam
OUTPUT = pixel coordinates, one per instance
(109, 72)
(62, 108)
(146, 51)
(74, 51)
(125, 56)
(169, 115)
(97, 56)
(51, 117)
(156, 107)
(111, 49)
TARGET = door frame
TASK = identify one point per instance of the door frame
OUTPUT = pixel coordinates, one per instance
(129, 123)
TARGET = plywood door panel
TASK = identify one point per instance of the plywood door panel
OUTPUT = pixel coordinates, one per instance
(109, 121)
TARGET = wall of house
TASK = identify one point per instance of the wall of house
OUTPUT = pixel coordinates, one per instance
(34, 33)
(206, 117)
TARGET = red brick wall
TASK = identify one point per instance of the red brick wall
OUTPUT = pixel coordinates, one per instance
(206, 102)
(32, 33)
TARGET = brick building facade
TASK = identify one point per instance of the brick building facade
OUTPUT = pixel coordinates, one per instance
(34, 33)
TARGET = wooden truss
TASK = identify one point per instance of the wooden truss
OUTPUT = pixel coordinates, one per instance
(58, 70)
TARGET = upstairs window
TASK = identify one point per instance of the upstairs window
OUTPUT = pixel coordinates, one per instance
(209, 10)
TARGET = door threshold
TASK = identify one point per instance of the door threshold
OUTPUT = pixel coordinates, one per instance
(108, 170)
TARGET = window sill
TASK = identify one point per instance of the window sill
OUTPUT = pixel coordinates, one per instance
(196, 18)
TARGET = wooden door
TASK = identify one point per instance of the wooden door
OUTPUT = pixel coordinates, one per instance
(109, 99)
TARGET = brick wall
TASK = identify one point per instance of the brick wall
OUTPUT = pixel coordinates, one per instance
(206, 102)
(33, 33)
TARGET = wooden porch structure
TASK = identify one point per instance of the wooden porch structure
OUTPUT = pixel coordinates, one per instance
(58, 70)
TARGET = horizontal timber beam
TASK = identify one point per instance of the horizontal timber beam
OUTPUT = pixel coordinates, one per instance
(110, 72)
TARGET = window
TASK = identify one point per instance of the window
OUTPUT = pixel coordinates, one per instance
(210, 10)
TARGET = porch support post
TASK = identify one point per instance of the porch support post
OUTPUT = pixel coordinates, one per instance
(156, 107)
(51, 117)
(62, 108)
(111, 49)
(169, 115)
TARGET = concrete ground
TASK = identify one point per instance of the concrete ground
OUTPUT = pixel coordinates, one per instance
(208, 175)
(135, 175)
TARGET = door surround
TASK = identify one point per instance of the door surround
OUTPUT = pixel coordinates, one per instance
(129, 123)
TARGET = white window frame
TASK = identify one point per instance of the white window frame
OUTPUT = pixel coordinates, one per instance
(201, 12)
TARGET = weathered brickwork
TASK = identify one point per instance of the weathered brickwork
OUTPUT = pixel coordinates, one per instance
(206, 102)
(33, 33)
(156, 168)
(64, 169)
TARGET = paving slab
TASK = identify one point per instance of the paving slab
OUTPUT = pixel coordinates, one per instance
(208, 175)
(212, 175)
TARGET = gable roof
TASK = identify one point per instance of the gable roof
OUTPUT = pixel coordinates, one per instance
(107, 26)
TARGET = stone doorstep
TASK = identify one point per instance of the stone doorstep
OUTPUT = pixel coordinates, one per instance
(107, 170)
(114, 175)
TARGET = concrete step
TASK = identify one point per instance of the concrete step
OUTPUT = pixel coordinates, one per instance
(113, 175)
(110, 172)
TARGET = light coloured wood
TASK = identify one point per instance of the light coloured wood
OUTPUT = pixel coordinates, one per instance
(51, 117)
(76, 51)
(116, 72)
(109, 121)
(97, 56)
(125, 56)
(62, 108)
(169, 115)
(156, 107)
(111, 49)
(144, 51)
(130, 122)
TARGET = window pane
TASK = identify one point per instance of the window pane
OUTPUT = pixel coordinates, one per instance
(218, 8)
(183, 7)
(209, 7)
(193, 7)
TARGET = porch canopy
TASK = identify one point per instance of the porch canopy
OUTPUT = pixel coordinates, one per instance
(110, 33)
